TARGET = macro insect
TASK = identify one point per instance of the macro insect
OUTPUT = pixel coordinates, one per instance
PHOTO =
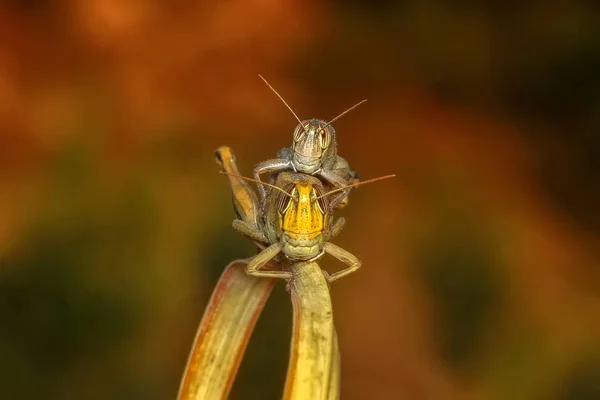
(313, 152)
(298, 223)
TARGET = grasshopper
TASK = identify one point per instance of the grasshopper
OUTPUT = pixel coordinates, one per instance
(313, 152)
(298, 223)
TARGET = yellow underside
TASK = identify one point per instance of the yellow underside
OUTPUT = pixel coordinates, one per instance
(303, 219)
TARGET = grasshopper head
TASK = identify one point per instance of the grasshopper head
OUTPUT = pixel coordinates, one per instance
(302, 213)
(303, 218)
(314, 144)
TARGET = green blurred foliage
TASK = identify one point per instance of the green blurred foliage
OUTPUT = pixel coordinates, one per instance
(461, 275)
(583, 382)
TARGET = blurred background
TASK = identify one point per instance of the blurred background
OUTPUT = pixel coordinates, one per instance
(481, 260)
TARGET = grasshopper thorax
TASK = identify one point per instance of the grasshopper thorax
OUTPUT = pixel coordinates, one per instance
(313, 146)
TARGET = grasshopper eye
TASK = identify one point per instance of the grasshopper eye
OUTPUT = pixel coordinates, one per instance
(284, 202)
(325, 138)
(322, 202)
(299, 132)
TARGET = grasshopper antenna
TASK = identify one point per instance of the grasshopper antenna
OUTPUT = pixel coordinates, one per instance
(346, 112)
(258, 182)
(284, 102)
(355, 185)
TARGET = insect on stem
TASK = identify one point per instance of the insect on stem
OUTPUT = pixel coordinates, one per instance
(355, 185)
(259, 182)
(284, 102)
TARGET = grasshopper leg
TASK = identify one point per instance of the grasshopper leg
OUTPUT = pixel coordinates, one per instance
(278, 164)
(333, 177)
(342, 169)
(337, 227)
(340, 200)
(344, 256)
(338, 180)
(263, 258)
(249, 230)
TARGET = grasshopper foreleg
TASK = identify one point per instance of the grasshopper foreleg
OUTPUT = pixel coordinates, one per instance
(344, 256)
(262, 258)
(337, 179)
(268, 166)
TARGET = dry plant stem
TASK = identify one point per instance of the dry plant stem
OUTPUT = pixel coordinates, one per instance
(235, 306)
(245, 201)
(312, 350)
(232, 312)
(335, 377)
(223, 335)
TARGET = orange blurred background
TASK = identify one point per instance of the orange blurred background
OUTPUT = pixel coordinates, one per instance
(480, 278)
